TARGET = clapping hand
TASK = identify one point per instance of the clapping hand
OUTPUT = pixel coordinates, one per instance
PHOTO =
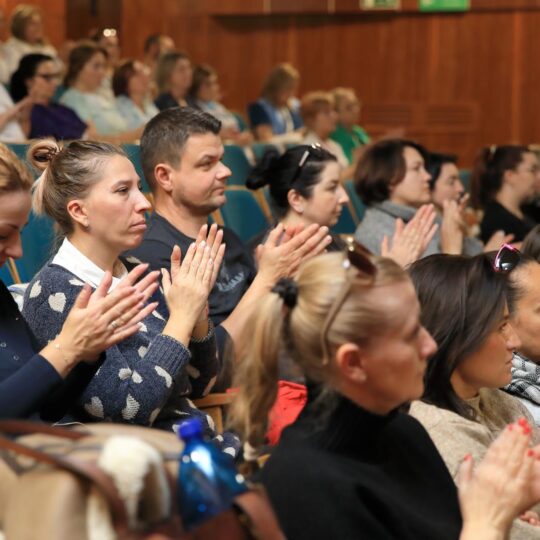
(410, 241)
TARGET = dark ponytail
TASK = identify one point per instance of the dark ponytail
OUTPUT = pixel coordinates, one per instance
(489, 168)
(298, 168)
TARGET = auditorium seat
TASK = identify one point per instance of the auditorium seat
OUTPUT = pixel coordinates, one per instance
(358, 206)
(236, 160)
(243, 214)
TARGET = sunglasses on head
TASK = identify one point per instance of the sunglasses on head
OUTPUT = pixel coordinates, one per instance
(507, 258)
(359, 257)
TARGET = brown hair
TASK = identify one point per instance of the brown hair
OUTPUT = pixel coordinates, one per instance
(68, 173)
(531, 244)
(462, 301)
(201, 74)
(121, 76)
(165, 65)
(79, 56)
(282, 76)
(315, 102)
(489, 168)
(14, 175)
(381, 166)
(20, 17)
(298, 330)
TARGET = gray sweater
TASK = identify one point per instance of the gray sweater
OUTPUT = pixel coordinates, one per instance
(146, 379)
(380, 220)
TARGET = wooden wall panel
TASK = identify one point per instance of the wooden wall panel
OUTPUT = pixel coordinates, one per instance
(485, 59)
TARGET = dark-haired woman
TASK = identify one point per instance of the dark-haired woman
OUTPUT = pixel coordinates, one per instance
(463, 305)
(305, 188)
(37, 77)
(392, 180)
(503, 180)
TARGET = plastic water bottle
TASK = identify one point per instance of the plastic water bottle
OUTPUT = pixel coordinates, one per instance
(208, 480)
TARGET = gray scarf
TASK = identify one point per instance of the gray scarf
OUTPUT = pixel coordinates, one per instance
(525, 379)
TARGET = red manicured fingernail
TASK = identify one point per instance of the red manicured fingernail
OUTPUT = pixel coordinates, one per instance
(530, 452)
(527, 430)
(522, 422)
(468, 457)
(510, 427)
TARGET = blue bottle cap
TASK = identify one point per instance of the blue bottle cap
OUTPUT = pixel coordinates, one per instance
(190, 428)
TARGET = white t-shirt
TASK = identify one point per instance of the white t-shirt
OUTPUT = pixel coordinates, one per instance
(12, 131)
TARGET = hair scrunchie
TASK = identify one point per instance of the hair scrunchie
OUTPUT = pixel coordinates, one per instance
(287, 289)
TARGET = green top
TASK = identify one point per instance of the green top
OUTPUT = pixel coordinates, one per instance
(349, 140)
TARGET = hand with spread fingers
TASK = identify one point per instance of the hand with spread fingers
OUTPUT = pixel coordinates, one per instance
(99, 320)
(190, 281)
(286, 248)
(496, 492)
(410, 241)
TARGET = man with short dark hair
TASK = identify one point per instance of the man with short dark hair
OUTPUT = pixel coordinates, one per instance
(181, 153)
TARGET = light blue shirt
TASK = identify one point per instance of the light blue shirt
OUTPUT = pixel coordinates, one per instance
(93, 107)
(132, 114)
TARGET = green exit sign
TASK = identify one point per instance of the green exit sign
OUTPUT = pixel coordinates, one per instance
(444, 5)
(380, 4)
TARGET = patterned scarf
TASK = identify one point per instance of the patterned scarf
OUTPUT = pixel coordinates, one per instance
(525, 379)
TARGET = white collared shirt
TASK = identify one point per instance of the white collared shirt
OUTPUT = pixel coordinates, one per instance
(70, 258)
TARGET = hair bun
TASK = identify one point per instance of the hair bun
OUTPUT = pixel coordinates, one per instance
(287, 290)
(41, 153)
(261, 174)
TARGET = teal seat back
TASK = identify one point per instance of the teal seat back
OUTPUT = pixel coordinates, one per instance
(133, 152)
(345, 224)
(38, 242)
(235, 158)
(19, 149)
(260, 148)
(242, 126)
(465, 177)
(356, 201)
(243, 215)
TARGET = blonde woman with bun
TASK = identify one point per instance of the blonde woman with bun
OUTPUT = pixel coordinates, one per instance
(92, 192)
(42, 381)
(353, 465)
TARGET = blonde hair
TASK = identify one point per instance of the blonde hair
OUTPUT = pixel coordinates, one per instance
(165, 67)
(20, 17)
(297, 331)
(14, 175)
(313, 103)
(68, 173)
(341, 95)
(282, 76)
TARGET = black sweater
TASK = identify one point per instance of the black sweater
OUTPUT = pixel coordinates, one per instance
(361, 476)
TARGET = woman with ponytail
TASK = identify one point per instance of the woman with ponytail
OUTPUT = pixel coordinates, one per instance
(353, 465)
(92, 192)
(43, 380)
(503, 180)
(305, 188)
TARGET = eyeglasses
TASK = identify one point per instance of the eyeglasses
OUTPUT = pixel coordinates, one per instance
(359, 257)
(507, 258)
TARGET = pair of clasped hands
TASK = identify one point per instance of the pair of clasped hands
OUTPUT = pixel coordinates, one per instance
(101, 319)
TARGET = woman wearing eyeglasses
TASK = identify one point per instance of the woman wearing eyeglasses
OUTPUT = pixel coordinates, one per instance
(36, 81)
(353, 465)
(504, 179)
(464, 308)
